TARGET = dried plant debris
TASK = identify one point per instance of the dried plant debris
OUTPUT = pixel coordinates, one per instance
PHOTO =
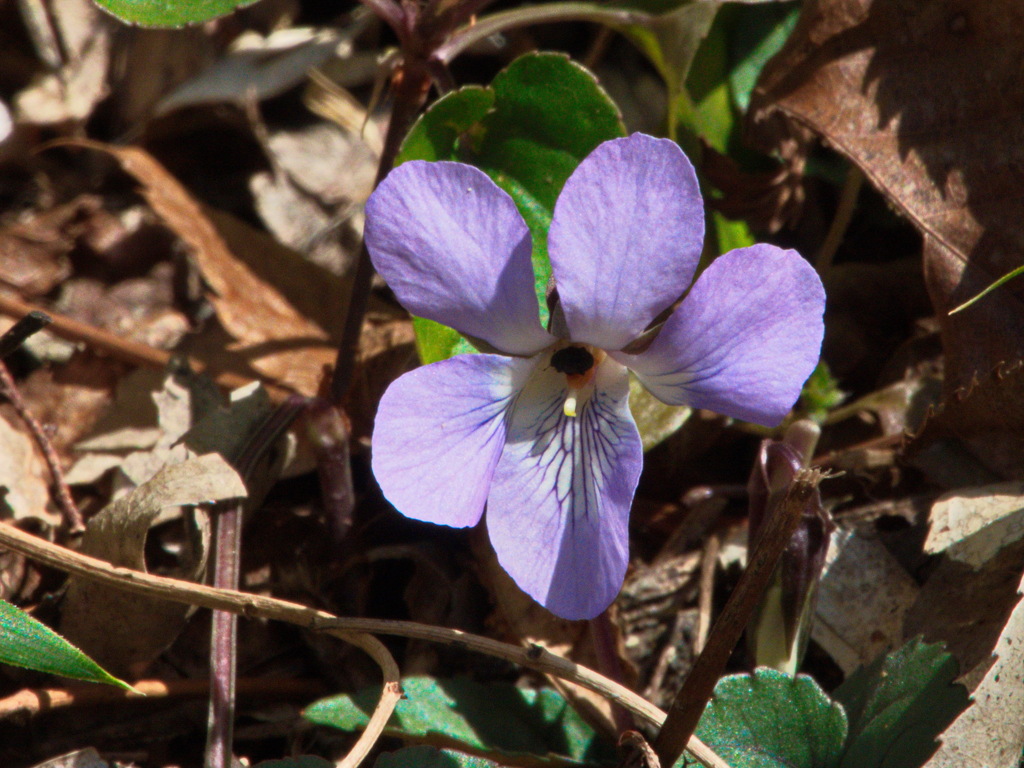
(118, 535)
(983, 421)
(991, 731)
(24, 479)
(893, 87)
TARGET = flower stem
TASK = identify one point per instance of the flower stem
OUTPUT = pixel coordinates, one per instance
(410, 85)
(227, 567)
(693, 697)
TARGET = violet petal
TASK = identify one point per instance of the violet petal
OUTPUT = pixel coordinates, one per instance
(625, 238)
(558, 510)
(744, 340)
(439, 433)
(454, 249)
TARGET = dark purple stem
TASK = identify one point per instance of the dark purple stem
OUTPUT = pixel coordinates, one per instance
(328, 429)
(227, 567)
(410, 85)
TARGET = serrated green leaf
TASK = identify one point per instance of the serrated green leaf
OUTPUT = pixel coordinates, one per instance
(430, 757)
(528, 131)
(899, 704)
(170, 13)
(26, 642)
(496, 717)
(772, 720)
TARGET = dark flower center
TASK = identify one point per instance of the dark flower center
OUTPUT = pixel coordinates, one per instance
(572, 361)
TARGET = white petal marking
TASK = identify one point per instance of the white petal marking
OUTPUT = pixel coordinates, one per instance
(559, 502)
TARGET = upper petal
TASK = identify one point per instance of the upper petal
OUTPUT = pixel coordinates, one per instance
(558, 510)
(439, 432)
(744, 340)
(625, 238)
(454, 249)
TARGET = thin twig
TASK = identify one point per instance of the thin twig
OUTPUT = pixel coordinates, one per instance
(705, 600)
(261, 606)
(841, 221)
(16, 335)
(59, 488)
(127, 350)
(34, 701)
(603, 635)
(690, 701)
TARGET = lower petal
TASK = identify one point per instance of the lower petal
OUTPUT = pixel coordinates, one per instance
(438, 435)
(558, 510)
(744, 340)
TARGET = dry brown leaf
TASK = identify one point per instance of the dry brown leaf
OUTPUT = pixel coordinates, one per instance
(24, 480)
(863, 595)
(985, 421)
(971, 525)
(925, 98)
(275, 338)
(968, 608)
(73, 37)
(990, 732)
(118, 535)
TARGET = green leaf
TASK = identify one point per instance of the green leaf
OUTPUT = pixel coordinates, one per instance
(772, 720)
(170, 13)
(821, 393)
(26, 642)
(898, 706)
(430, 757)
(528, 131)
(467, 714)
(758, 34)
(302, 761)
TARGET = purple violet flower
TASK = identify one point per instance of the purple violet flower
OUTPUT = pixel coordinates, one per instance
(542, 434)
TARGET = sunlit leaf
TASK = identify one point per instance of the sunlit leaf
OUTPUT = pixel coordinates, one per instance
(170, 13)
(463, 713)
(26, 642)
(430, 757)
(772, 720)
(898, 706)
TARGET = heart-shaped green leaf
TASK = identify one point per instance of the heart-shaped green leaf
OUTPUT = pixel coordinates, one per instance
(772, 720)
(170, 13)
(898, 706)
(463, 713)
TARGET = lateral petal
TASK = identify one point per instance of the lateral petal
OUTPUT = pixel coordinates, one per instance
(625, 238)
(558, 510)
(439, 432)
(744, 340)
(454, 249)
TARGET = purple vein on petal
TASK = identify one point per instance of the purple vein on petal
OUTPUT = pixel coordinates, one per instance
(560, 499)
